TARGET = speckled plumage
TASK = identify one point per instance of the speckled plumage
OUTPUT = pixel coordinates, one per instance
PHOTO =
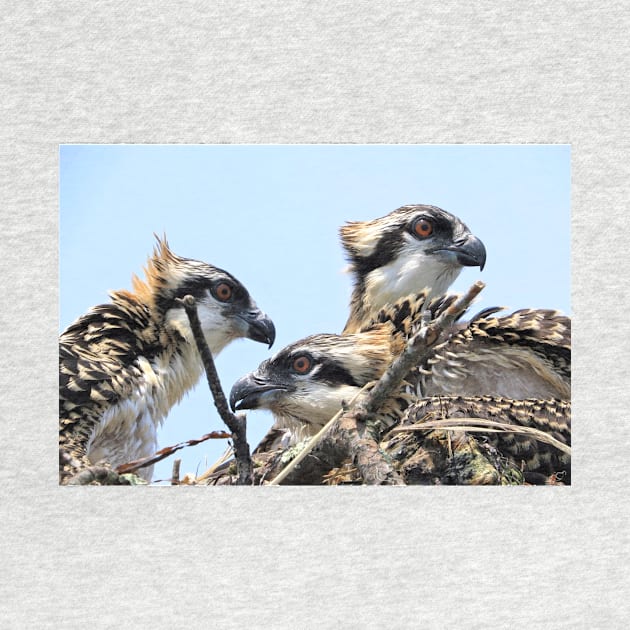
(423, 457)
(526, 354)
(440, 457)
(511, 366)
(341, 366)
(123, 365)
(515, 367)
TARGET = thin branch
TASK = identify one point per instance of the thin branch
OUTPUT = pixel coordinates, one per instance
(221, 464)
(313, 443)
(353, 434)
(167, 451)
(236, 424)
(351, 426)
(482, 425)
(175, 474)
(417, 349)
(348, 438)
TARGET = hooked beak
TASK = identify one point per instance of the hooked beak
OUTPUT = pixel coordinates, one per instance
(470, 252)
(249, 390)
(259, 327)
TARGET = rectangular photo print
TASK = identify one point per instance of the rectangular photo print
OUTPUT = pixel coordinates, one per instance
(315, 315)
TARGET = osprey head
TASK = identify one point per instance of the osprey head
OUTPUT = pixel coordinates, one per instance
(305, 384)
(413, 248)
(226, 310)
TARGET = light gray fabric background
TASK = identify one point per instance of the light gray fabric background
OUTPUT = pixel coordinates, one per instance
(305, 72)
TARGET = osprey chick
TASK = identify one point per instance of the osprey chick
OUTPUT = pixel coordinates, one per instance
(305, 383)
(123, 365)
(523, 355)
(413, 248)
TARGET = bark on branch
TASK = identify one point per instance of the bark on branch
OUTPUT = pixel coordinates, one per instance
(348, 438)
(417, 349)
(236, 424)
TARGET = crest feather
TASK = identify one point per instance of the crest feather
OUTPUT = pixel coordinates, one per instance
(157, 270)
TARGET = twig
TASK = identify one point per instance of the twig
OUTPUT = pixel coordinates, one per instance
(236, 424)
(353, 433)
(314, 442)
(175, 474)
(482, 425)
(417, 349)
(351, 425)
(167, 451)
(221, 464)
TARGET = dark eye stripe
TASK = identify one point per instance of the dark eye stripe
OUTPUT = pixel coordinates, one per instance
(194, 286)
(387, 249)
(197, 286)
(332, 373)
(391, 242)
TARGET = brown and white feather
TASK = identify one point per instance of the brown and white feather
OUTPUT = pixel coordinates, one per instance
(124, 364)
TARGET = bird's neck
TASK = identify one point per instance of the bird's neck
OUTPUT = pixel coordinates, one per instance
(391, 282)
(174, 373)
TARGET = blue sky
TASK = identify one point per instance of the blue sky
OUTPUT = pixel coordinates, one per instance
(270, 216)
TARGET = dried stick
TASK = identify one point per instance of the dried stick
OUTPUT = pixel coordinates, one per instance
(175, 474)
(167, 451)
(351, 425)
(483, 425)
(236, 424)
(417, 349)
(353, 436)
(313, 443)
(347, 435)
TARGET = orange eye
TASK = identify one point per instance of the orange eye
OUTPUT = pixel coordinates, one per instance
(223, 291)
(423, 228)
(302, 364)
